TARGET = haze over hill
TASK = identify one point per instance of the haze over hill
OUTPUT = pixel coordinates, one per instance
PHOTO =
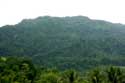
(13, 11)
(66, 42)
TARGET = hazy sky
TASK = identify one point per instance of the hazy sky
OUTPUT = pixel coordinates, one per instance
(13, 11)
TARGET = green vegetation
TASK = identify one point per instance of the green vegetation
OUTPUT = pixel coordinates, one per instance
(22, 70)
(65, 42)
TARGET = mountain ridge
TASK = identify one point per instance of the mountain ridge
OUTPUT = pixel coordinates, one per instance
(65, 42)
(39, 17)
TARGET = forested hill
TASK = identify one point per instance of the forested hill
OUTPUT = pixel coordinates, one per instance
(66, 42)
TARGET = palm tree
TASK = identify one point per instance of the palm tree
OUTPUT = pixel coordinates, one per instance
(96, 76)
(114, 75)
(70, 76)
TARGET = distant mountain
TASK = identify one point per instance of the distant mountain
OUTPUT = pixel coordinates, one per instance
(66, 42)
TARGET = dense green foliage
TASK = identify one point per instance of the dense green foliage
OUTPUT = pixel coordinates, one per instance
(65, 42)
(21, 70)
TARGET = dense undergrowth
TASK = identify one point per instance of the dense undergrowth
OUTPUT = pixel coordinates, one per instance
(22, 70)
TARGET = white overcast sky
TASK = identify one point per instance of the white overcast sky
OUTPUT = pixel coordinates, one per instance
(13, 11)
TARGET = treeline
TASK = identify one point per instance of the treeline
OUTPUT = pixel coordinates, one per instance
(22, 70)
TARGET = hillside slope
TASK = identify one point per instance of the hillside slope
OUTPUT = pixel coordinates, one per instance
(66, 42)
